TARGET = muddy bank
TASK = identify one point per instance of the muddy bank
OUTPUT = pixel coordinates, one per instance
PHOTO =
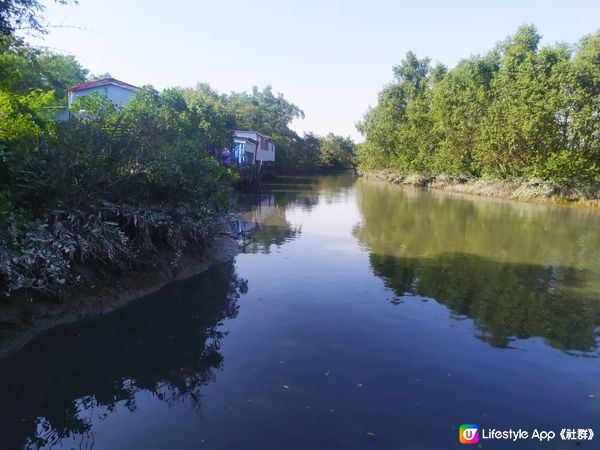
(23, 317)
(515, 189)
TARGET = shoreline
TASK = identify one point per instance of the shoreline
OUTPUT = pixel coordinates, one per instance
(514, 189)
(28, 318)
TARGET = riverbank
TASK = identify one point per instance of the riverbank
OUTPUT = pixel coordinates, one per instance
(513, 189)
(22, 317)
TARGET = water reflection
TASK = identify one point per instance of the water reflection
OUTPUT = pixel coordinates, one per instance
(305, 192)
(166, 345)
(505, 300)
(267, 224)
(518, 270)
(267, 212)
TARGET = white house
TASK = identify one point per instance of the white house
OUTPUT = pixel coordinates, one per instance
(253, 145)
(117, 91)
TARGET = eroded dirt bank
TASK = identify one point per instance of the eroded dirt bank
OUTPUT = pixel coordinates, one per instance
(23, 317)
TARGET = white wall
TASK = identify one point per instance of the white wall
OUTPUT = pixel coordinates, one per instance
(268, 154)
(116, 94)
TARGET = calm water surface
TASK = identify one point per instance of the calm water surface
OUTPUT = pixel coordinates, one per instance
(362, 316)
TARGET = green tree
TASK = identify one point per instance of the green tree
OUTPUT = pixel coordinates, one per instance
(336, 152)
(520, 110)
(458, 105)
(272, 115)
(24, 68)
(214, 120)
(520, 125)
(583, 117)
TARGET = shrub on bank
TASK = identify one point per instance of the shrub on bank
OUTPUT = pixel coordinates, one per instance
(111, 186)
(44, 254)
(566, 168)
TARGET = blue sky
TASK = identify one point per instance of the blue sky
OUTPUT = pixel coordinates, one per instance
(329, 57)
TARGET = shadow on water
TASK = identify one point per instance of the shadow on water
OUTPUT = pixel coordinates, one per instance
(167, 345)
(505, 300)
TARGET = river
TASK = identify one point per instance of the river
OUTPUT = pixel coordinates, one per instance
(360, 315)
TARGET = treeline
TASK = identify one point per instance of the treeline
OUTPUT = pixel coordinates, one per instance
(263, 111)
(520, 110)
(313, 153)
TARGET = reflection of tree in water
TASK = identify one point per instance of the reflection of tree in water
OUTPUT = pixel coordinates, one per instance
(267, 213)
(412, 223)
(268, 225)
(518, 270)
(305, 192)
(505, 300)
(167, 344)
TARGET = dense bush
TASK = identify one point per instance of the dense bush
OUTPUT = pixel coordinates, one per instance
(112, 185)
(519, 110)
(565, 167)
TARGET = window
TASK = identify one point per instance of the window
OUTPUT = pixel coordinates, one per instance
(264, 144)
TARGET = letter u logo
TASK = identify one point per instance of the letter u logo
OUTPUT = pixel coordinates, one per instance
(469, 434)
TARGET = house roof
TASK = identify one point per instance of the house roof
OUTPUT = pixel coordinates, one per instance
(254, 132)
(245, 139)
(102, 82)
